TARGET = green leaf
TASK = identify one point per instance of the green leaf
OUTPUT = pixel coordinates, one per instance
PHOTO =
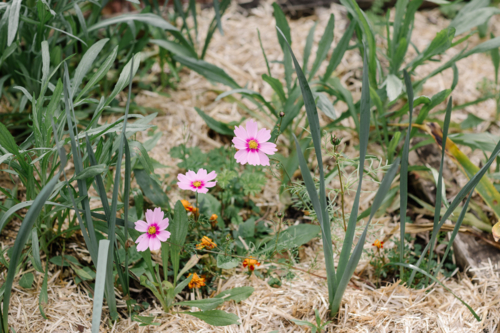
(394, 87)
(473, 19)
(86, 63)
(147, 18)
(325, 105)
(22, 236)
(26, 280)
(35, 248)
(182, 285)
(339, 52)
(178, 228)
(175, 48)
(282, 25)
(99, 284)
(216, 317)
(214, 124)
(99, 74)
(203, 304)
(209, 71)
(151, 189)
(323, 46)
(438, 45)
(295, 236)
(14, 10)
(470, 122)
(227, 262)
(7, 141)
(276, 85)
(92, 171)
(236, 294)
(125, 76)
(308, 46)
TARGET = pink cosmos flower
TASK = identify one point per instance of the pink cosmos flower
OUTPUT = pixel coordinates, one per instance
(154, 231)
(197, 182)
(252, 144)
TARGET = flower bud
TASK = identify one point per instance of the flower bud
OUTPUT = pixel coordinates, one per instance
(282, 114)
(335, 141)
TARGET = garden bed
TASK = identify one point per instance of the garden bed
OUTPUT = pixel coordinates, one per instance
(392, 308)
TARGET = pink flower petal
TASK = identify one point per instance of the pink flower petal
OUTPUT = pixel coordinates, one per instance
(240, 132)
(264, 160)
(239, 143)
(268, 148)
(163, 235)
(191, 175)
(150, 216)
(202, 173)
(142, 243)
(141, 226)
(184, 186)
(210, 176)
(210, 184)
(253, 158)
(183, 178)
(263, 135)
(163, 224)
(202, 190)
(154, 244)
(252, 128)
(241, 156)
(158, 215)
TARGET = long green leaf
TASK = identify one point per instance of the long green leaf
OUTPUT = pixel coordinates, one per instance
(22, 237)
(147, 18)
(209, 71)
(403, 192)
(215, 317)
(358, 249)
(178, 228)
(339, 52)
(214, 124)
(86, 63)
(15, 9)
(100, 284)
(318, 202)
(323, 46)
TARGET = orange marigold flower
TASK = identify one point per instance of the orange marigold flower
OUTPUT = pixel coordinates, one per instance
(378, 244)
(196, 281)
(206, 243)
(213, 217)
(251, 262)
(189, 208)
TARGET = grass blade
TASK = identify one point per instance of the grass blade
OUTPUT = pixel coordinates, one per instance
(15, 9)
(339, 52)
(22, 237)
(403, 192)
(308, 47)
(99, 284)
(358, 250)
(363, 145)
(323, 46)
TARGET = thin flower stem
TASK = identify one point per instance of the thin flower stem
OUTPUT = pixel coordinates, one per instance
(197, 212)
(278, 235)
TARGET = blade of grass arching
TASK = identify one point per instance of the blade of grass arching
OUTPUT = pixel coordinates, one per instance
(180, 12)
(22, 237)
(217, 16)
(321, 212)
(439, 187)
(114, 202)
(470, 186)
(385, 186)
(263, 53)
(339, 52)
(363, 145)
(421, 271)
(323, 46)
(284, 38)
(403, 192)
(325, 227)
(213, 26)
(100, 284)
(458, 224)
(308, 47)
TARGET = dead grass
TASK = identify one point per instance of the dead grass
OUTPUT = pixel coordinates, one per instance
(389, 309)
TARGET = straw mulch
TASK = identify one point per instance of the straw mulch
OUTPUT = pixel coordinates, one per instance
(365, 309)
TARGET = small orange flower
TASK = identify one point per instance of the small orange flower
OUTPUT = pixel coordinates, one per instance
(206, 243)
(196, 281)
(378, 244)
(190, 208)
(251, 262)
(213, 217)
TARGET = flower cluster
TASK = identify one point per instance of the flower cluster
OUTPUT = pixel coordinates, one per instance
(196, 281)
(250, 262)
(378, 244)
(206, 243)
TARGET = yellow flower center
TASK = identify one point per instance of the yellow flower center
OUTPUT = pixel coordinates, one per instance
(152, 230)
(252, 144)
(197, 183)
